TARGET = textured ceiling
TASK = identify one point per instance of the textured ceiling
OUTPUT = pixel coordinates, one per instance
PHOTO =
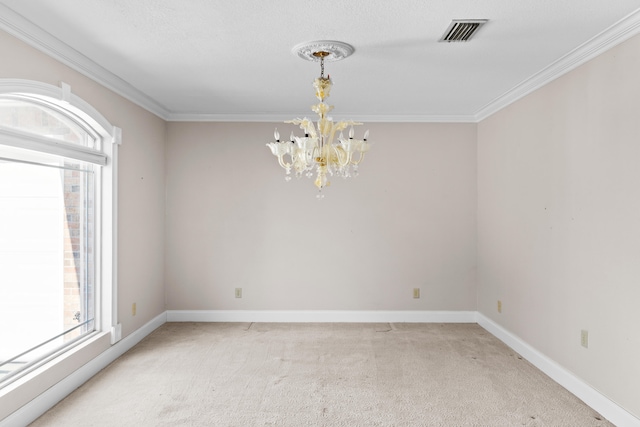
(226, 59)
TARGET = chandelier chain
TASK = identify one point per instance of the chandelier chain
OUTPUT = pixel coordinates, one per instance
(322, 67)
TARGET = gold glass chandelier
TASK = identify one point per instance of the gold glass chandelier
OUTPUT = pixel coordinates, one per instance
(318, 153)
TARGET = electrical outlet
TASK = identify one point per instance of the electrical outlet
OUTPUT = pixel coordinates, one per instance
(584, 338)
(238, 292)
(416, 293)
(133, 309)
(499, 306)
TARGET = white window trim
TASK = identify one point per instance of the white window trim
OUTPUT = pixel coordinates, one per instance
(62, 99)
(21, 139)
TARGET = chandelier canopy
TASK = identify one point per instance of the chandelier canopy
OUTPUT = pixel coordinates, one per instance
(316, 153)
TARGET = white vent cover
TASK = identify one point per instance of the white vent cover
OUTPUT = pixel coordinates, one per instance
(461, 30)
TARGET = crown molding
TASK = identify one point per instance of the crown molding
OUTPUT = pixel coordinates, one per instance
(622, 30)
(407, 118)
(26, 31)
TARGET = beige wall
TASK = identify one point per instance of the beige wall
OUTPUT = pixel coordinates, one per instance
(559, 221)
(407, 221)
(141, 201)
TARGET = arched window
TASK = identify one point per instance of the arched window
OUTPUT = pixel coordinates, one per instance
(46, 119)
(57, 229)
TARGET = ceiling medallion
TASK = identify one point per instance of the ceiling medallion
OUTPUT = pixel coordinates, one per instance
(336, 50)
(316, 152)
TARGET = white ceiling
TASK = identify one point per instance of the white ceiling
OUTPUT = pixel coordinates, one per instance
(232, 60)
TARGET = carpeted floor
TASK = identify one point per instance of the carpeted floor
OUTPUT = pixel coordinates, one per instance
(281, 374)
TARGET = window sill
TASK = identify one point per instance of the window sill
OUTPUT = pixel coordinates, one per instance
(20, 390)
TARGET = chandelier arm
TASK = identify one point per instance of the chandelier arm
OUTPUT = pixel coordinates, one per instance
(353, 162)
(346, 123)
(286, 166)
(342, 156)
(279, 149)
(306, 125)
(297, 158)
(311, 130)
(339, 151)
(348, 154)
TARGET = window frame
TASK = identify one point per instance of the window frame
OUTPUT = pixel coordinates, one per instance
(109, 137)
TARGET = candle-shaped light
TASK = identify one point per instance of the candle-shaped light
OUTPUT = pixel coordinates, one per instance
(276, 135)
(351, 133)
(366, 135)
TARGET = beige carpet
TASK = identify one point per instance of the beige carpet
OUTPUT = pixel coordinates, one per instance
(271, 374)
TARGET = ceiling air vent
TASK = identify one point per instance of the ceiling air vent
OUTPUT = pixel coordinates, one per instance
(461, 30)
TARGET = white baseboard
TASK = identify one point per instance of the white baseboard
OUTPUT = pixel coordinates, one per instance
(575, 385)
(606, 407)
(321, 316)
(39, 405)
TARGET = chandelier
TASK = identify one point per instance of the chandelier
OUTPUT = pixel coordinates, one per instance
(318, 153)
